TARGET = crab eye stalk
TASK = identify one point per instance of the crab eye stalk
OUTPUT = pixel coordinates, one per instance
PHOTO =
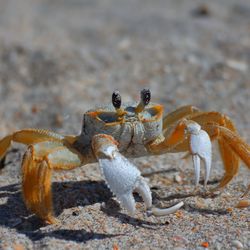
(116, 99)
(117, 102)
(145, 96)
(145, 99)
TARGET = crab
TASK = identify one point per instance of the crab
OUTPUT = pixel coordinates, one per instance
(110, 134)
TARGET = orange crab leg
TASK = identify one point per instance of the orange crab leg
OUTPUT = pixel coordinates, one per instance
(169, 143)
(212, 117)
(230, 162)
(178, 114)
(31, 136)
(236, 143)
(37, 166)
(232, 148)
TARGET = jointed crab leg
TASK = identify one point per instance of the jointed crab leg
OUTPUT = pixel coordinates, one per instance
(38, 163)
(172, 139)
(231, 142)
(178, 114)
(122, 177)
(31, 136)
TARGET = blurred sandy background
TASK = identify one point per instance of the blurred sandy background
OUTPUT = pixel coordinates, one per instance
(58, 58)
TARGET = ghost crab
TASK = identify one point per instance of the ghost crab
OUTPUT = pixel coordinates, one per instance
(112, 132)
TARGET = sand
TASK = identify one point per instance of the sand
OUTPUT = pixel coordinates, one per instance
(60, 58)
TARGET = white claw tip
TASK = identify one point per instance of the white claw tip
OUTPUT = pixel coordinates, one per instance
(165, 211)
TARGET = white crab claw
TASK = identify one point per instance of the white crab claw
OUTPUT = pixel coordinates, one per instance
(122, 177)
(201, 149)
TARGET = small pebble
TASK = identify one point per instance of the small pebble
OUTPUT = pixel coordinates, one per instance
(124, 44)
(237, 244)
(78, 178)
(237, 65)
(201, 11)
(199, 248)
(180, 239)
(75, 213)
(218, 246)
(177, 178)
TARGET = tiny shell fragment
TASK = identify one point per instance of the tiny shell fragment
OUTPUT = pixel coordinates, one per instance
(243, 204)
(237, 244)
(205, 244)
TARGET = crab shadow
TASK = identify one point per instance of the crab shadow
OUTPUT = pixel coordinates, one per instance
(13, 213)
(70, 194)
(112, 209)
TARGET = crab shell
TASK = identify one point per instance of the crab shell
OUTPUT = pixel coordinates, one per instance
(132, 131)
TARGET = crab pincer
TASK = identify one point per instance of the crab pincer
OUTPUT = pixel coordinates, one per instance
(123, 178)
(201, 150)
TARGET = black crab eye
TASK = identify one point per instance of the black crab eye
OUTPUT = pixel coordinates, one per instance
(116, 99)
(145, 96)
